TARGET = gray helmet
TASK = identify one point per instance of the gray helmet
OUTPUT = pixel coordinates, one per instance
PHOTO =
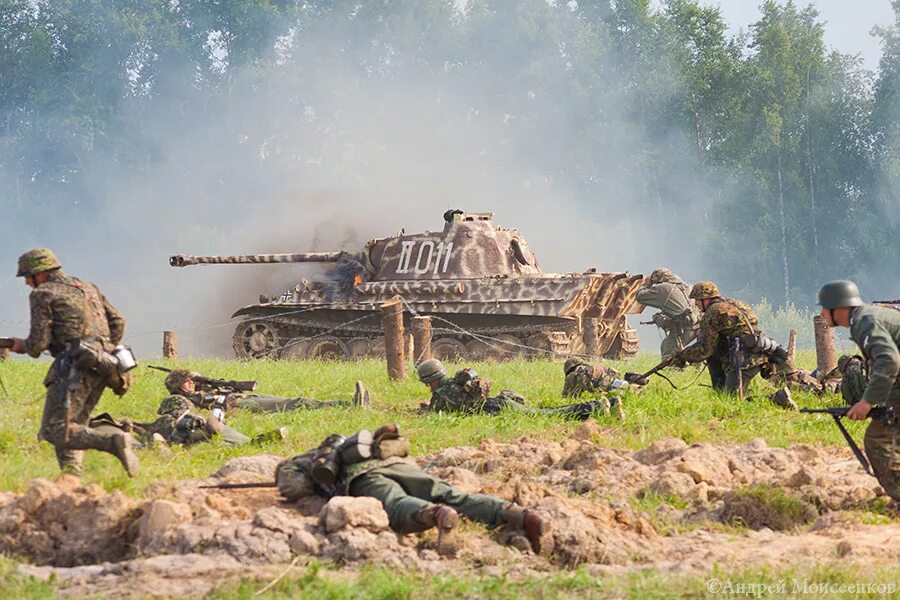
(839, 294)
(431, 370)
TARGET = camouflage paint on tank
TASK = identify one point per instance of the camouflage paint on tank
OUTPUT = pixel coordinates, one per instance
(477, 275)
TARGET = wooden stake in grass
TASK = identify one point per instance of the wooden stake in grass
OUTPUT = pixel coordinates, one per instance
(825, 358)
(792, 349)
(394, 340)
(421, 330)
(170, 344)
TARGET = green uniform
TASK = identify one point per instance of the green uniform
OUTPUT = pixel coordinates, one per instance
(876, 330)
(677, 315)
(722, 322)
(63, 310)
(264, 403)
(459, 394)
(404, 490)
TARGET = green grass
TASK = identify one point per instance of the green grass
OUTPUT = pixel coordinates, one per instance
(695, 414)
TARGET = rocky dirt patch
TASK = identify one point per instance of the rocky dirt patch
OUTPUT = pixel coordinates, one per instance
(183, 539)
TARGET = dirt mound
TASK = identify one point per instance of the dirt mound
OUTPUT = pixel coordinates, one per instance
(610, 508)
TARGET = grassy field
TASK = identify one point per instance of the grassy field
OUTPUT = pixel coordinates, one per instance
(694, 414)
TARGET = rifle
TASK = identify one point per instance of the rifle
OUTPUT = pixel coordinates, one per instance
(641, 378)
(240, 486)
(838, 413)
(228, 385)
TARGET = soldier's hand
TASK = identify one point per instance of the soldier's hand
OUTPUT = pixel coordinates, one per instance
(18, 346)
(859, 411)
(678, 362)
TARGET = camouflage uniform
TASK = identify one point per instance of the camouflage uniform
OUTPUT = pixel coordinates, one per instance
(63, 310)
(467, 395)
(677, 315)
(584, 378)
(723, 321)
(876, 330)
(853, 378)
(405, 490)
(177, 425)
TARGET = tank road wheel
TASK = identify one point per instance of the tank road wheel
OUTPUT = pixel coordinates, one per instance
(327, 348)
(295, 349)
(448, 349)
(358, 347)
(626, 345)
(503, 347)
(376, 348)
(539, 346)
(256, 339)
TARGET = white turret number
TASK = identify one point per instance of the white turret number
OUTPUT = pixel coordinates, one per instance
(428, 257)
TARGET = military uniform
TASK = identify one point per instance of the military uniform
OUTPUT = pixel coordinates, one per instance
(583, 378)
(178, 425)
(65, 310)
(724, 321)
(677, 316)
(466, 394)
(876, 330)
(853, 378)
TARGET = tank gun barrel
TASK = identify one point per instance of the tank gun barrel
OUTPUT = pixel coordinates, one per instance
(186, 260)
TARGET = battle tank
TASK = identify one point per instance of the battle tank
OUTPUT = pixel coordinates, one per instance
(482, 286)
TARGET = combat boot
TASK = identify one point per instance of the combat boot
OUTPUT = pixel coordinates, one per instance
(361, 395)
(120, 447)
(783, 399)
(445, 519)
(535, 526)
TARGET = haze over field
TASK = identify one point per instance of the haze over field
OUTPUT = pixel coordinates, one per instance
(613, 135)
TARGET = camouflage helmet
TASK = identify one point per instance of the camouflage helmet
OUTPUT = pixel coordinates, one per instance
(661, 275)
(571, 363)
(703, 290)
(839, 294)
(431, 370)
(845, 360)
(37, 261)
(173, 404)
(176, 379)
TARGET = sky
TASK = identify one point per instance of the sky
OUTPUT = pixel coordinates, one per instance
(848, 28)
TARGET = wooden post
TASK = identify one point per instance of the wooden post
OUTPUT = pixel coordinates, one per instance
(4, 353)
(825, 359)
(394, 340)
(590, 336)
(170, 344)
(792, 349)
(421, 330)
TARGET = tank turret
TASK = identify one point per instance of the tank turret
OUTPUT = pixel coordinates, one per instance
(481, 283)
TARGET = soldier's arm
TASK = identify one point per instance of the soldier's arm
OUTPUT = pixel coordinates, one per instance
(649, 296)
(114, 319)
(41, 321)
(707, 340)
(878, 345)
(568, 386)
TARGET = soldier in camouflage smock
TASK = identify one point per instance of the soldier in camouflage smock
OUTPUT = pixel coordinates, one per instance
(466, 393)
(583, 378)
(64, 311)
(723, 327)
(178, 425)
(876, 331)
(677, 316)
(181, 382)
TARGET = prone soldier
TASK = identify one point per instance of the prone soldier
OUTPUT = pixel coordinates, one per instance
(677, 316)
(876, 331)
(182, 382)
(74, 321)
(377, 465)
(466, 393)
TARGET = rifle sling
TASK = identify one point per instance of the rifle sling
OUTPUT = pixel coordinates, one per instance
(856, 451)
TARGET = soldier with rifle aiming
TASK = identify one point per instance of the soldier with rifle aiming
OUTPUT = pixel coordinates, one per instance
(733, 346)
(677, 316)
(467, 393)
(229, 395)
(74, 321)
(377, 465)
(876, 331)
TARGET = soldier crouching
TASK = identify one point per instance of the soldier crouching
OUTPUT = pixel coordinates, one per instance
(377, 465)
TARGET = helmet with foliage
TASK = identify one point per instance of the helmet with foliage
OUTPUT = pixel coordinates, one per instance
(839, 294)
(661, 275)
(37, 261)
(703, 290)
(571, 364)
(174, 405)
(176, 379)
(431, 370)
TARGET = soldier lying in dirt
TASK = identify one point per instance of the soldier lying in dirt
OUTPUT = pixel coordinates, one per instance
(377, 465)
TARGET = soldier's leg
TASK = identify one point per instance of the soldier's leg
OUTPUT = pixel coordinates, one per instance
(477, 507)
(233, 437)
(731, 380)
(401, 508)
(670, 345)
(716, 373)
(261, 403)
(882, 444)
